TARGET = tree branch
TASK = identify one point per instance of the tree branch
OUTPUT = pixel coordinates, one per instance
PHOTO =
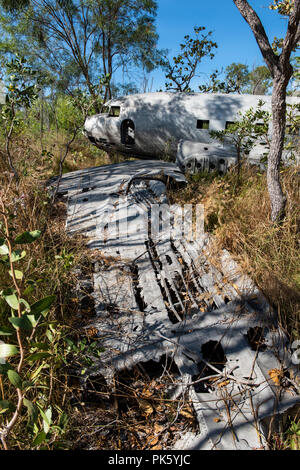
(292, 35)
(259, 32)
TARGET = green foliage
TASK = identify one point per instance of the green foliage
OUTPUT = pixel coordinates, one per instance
(292, 137)
(27, 237)
(22, 90)
(238, 79)
(68, 115)
(284, 7)
(23, 80)
(26, 320)
(36, 350)
(80, 351)
(293, 435)
(260, 81)
(14, 5)
(237, 76)
(184, 66)
(8, 350)
(75, 42)
(71, 110)
(67, 259)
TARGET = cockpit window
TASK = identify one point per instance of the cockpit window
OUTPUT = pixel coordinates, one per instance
(114, 111)
(105, 110)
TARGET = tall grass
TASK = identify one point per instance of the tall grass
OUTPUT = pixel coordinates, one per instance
(237, 211)
(47, 270)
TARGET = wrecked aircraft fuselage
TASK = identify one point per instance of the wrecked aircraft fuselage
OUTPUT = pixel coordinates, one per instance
(156, 125)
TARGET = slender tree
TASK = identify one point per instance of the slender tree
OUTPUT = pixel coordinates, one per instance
(238, 79)
(237, 76)
(80, 40)
(127, 35)
(281, 71)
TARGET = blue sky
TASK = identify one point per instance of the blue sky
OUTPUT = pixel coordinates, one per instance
(236, 43)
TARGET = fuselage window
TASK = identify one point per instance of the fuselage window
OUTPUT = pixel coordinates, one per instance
(202, 124)
(114, 111)
(228, 124)
(105, 110)
(261, 125)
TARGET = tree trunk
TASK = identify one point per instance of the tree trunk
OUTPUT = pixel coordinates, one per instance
(281, 72)
(277, 197)
(92, 92)
(41, 118)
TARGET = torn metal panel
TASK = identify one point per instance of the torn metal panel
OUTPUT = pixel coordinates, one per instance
(171, 295)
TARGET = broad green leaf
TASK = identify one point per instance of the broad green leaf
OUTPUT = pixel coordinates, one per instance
(18, 274)
(14, 378)
(12, 301)
(7, 350)
(5, 331)
(8, 291)
(47, 415)
(42, 306)
(38, 356)
(17, 255)
(63, 421)
(22, 322)
(4, 250)
(49, 335)
(32, 411)
(4, 367)
(28, 237)
(39, 438)
(6, 405)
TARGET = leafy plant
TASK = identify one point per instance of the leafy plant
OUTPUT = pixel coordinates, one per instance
(253, 125)
(293, 435)
(22, 91)
(66, 258)
(24, 320)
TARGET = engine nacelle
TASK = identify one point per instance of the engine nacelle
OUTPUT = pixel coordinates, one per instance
(195, 157)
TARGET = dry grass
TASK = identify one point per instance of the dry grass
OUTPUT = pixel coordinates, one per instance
(135, 413)
(30, 208)
(238, 213)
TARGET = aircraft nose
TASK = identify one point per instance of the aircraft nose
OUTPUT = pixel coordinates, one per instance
(95, 126)
(95, 130)
(89, 125)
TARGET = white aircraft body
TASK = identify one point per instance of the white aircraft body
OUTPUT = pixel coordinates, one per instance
(174, 125)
